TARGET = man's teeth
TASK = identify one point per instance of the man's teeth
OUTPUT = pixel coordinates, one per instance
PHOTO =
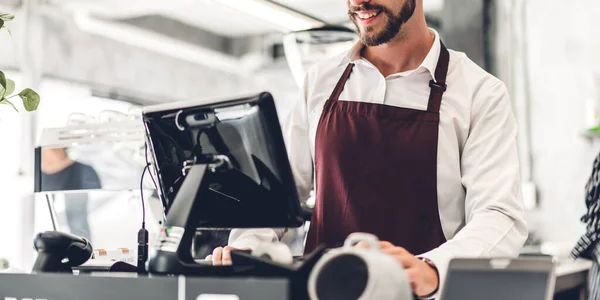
(367, 16)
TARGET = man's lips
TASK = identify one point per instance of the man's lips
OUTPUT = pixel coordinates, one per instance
(366, 16)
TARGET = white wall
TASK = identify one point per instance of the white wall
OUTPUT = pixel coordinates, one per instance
(562, 58)
(15, 190)
(10, 204)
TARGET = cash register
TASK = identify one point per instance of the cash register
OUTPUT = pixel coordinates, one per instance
(218, 164)
(221, 164)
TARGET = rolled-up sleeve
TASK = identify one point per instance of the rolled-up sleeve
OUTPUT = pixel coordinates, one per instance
(494, 209)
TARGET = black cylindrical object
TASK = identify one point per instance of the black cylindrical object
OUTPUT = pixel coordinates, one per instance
(59, 251)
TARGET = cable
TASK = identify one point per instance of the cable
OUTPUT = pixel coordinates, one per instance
(142, 238)
(143, 233)
(148, 165)
(52, 211)
(142, 197)
(150, 171)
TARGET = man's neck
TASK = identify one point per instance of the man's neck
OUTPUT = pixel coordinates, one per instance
(403, 53)
(56, 166)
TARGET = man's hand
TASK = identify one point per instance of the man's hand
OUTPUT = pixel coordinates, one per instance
(222, 254)
(423, 278)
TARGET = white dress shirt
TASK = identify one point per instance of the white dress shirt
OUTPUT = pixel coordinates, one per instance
(478, 183)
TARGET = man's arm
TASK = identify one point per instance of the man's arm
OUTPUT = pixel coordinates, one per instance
(295, 134)
(494, 209)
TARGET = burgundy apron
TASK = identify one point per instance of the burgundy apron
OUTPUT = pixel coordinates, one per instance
(376, 170)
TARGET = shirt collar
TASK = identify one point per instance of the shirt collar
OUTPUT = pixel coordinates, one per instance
(429, 63)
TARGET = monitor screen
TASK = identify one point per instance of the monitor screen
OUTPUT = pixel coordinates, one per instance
(523, 279)
(253, 187)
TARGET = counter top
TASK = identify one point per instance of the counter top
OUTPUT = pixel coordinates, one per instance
(571, 274)
(572, 266)
(129, 286)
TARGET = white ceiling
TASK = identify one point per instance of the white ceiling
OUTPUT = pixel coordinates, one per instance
(328, 10)
(220, 19)
(213, 16)
(226, 21)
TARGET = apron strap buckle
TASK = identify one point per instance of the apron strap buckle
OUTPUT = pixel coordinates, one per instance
(437, 86)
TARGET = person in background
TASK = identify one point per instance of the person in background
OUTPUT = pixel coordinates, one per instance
(409, 141)
(588, 245)
(59, 172)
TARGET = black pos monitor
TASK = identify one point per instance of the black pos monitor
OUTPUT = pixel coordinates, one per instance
(221, 164)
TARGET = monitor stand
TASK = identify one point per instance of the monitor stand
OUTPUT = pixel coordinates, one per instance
(172, 253)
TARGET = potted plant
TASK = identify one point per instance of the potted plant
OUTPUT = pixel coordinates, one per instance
(29, 97)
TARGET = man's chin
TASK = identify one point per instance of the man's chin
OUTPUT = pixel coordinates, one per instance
(369, 40)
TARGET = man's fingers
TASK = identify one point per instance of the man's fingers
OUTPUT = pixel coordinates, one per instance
(418, 281)
(406, 260)
(396, 250)
(412, 278)
(402, 250)
(423, 281)
(218, 254)
(222, 254)
(412, 274)
(363, 245)
(385, 245)
(382, 245)
(227, 252)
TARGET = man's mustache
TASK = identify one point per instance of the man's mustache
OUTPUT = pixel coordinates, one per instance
(366, 6)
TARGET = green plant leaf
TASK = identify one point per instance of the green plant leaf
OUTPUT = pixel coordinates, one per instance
(6, 17)
(2, 80)
(30, 98)
(10, 88)
(7, 29)
(1, 23)
(5, 101)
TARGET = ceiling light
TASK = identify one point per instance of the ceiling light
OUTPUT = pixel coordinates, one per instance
(285, 18)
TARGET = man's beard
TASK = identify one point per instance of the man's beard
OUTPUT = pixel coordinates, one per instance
(390, 30)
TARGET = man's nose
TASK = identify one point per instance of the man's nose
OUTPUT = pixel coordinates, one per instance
(358, 2)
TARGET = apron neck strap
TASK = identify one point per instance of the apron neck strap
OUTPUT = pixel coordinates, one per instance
(438, 86)
(335, 95)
